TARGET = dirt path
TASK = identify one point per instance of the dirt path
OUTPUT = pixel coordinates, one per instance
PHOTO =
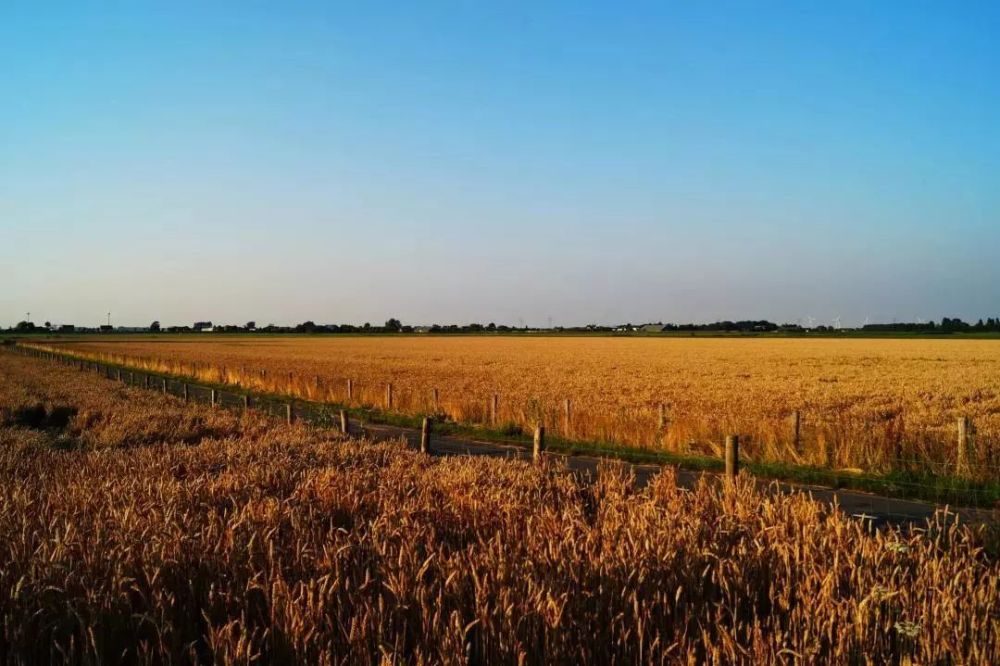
(877, 509)
(865, 506)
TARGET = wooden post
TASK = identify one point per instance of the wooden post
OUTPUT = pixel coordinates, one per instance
(494, 408)
(145, 381)
(962, 454)
(289, 414)
(568, 414)
(425, 436)
(796, 430)
(215, 397)
(732, 456)
(164, 386)
(539, 444)
(344, 424)
(388, 396)
(185, 392)
(350, 390)
(661, 420)
(118, 374)
(437, 401)
(131, 378)
(246, 402)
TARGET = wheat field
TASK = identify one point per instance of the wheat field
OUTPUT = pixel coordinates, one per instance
(136, 528)
(867, 404)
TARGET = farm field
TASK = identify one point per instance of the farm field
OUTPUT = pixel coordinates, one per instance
(872, 405)
(135, 527)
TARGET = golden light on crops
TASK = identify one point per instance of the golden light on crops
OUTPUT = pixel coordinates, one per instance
(868, 404)
(137, 528)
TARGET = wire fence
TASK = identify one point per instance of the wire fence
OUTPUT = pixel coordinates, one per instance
(965, 481)
(311, 413)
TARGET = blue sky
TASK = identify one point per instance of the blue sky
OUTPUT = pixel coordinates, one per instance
(588, 162)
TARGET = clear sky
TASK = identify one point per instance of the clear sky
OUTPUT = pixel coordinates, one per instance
(474, 161)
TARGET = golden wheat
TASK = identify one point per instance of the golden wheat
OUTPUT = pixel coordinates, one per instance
(214, 537)
(876, 405)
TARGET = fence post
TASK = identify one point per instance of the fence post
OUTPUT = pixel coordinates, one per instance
(246, 402)
(494, 408)
(118, 374)
(539, 444)
(289, 414)
(437, 401)
(388, 396)
(732, 456)
(164, 385)
(796, 430)
(215, 397)
(568, 414)
(184, 392)
(425, 436)
(145, 381)
(962, 454)
(350, 390)
(343, 421)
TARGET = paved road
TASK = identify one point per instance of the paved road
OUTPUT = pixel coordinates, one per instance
(866, 506)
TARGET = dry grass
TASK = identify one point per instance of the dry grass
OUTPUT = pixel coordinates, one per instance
(874, 405)
(136, 528)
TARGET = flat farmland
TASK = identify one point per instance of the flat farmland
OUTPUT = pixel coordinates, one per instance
(868, 404)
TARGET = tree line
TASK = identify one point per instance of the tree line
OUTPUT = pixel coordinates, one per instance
(393, 325)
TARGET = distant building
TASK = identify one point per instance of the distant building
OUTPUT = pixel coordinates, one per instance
(651, 328)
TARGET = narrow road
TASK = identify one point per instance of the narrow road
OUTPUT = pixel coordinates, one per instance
(877, 509)
(865, 506)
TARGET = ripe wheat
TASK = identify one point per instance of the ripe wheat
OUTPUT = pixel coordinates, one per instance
(873, 405)
(137, 528)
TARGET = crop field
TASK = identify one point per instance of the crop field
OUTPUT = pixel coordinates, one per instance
(138, 528)
(862, 404)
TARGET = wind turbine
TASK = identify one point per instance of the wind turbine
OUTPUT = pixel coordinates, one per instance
(836, 322)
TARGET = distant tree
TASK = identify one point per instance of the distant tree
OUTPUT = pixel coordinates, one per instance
(393, 325)
(367, 326)
(24, 326)
(155, 327)
(251, 325)
(48, 325)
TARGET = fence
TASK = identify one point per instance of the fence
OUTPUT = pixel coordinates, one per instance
(954, 482)
(307, 412)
